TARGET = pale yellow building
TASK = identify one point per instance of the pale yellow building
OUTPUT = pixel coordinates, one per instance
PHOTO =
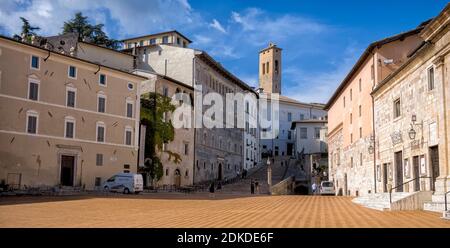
(65, 120)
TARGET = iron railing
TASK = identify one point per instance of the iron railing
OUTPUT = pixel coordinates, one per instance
(445, 200)
(399, 185)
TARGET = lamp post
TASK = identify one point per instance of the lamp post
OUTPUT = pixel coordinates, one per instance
(269, 175)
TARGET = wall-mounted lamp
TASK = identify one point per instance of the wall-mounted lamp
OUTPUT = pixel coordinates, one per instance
(412, 132)
(371, 148)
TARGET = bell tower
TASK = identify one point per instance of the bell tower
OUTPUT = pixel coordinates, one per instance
(270, 69)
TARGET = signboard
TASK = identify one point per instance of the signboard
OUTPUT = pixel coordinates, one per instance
(433, 134)
(423, 168)
(406, 165)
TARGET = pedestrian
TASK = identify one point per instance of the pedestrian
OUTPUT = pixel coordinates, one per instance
(219, 185)
(252, 187)
(314, 187)
(257, 186)
(211, 190)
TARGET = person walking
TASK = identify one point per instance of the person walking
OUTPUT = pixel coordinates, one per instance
(211, 190)
(314, 188)
(257, 186)
(252, 187)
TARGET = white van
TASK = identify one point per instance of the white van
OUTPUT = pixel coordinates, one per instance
(327, 188)
(125, 182)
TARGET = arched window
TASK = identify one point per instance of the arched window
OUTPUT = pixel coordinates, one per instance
(276, 66)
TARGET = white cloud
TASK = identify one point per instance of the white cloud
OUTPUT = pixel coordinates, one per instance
(133, 17)
(216, 25)
(318, 87)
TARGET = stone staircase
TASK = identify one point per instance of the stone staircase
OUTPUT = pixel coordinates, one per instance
(243, 186)
(437, 204)
(380, 201)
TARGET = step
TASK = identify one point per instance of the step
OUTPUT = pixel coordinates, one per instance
(446, 215)
(435, 206)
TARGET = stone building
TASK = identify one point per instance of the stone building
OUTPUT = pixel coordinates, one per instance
(65, 120)
(177, 174)
(411, 109)
(218, 152)
(350, 113)
(278, 140)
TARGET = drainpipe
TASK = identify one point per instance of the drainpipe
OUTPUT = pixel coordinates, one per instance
(373, 132)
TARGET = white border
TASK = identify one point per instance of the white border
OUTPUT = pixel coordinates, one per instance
(106, 80)
(31, 62)
(68, 71)
(38, 82)
(70, 88)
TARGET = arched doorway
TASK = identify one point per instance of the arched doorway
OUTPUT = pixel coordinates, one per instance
(220, 176)
(177, 178)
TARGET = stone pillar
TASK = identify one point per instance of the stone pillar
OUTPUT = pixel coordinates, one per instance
(269, 175)
(444, 135)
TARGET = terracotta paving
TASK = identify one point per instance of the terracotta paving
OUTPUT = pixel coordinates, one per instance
(198, 210)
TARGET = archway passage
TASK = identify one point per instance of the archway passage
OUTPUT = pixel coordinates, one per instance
(177, 178)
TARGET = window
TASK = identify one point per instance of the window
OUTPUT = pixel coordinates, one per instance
(263, 69)
(69, 130)
(100, 132)
(360, 159)
(186, 173)
(70, 97)
(351, 118)
(289, 135)
(397, 108)
(351, 138)
(130, 86)
(302, 116)
(360, 132)
(267, 67)
(351, 162)
(359, 110)
(141, 43)
(184, 44)
(178, 41)
(129, 109)
(72, 72)
(167, 172)
(372, 72)
(101, 103)
(33, 90)
(102, 79)
(165, 39)
(351, 97)
(430, 74)
(303, 133)
(317, 132)
(35, 62)
(276, 66)
(360, 85)
(99, 159)
(152, 41)
(289, 116)
(165, 91)
(128, 135)
(32, 122)
(98, 181)
(186, 148)
(247, 107)
(344, 101)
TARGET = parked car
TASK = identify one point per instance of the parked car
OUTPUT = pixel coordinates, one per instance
(327, 188)
(125, 182)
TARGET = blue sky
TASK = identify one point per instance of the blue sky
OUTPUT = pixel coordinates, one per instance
(321, 40)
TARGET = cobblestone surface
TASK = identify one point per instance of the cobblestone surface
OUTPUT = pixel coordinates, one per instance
(198, 210)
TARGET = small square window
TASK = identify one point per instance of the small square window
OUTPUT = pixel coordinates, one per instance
(72, 72)
(35, 62)
(102, 79)
(152, 41)
(126, 166)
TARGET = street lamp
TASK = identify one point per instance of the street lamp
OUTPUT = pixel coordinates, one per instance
(412, 133)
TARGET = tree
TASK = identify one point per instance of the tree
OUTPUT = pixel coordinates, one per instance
(27, 30)
(158, 132)
(86, 31)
